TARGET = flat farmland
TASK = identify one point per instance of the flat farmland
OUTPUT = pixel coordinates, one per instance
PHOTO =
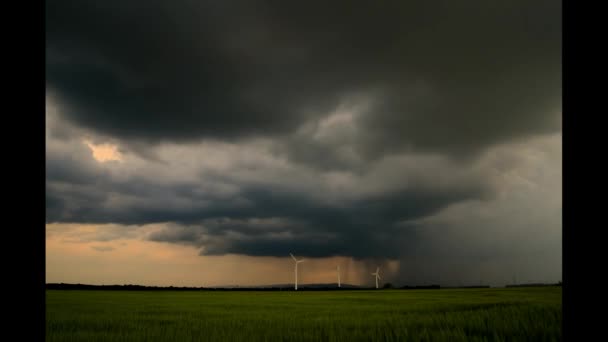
(488, 314)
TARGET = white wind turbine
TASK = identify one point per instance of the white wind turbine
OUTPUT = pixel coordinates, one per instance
(377, 274)
(338, 275)
(296, 270)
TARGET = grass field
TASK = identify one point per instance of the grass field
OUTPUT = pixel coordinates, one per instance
(494, 314)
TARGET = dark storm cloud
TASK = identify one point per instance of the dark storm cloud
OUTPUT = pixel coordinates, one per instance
(450, 77)
(256, 217)
(364, 110)
(289, 220)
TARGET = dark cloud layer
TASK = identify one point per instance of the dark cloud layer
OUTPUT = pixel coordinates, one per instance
(443, 76)
(373, 117)
(291, 220)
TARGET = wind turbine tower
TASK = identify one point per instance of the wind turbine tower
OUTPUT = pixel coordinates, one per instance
(377, 274)
(338, 275)
(296, 270)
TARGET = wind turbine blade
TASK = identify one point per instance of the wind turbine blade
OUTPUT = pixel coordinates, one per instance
(379, 277)
(377, 269)
(294, 258)
(300, 260)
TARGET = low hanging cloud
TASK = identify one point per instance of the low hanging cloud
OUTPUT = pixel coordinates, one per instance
(103, 248)
(438, 76)
(373, 131)
(266, 206)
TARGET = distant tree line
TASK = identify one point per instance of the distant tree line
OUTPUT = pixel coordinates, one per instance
(421, 287)
(131, 287)
(128, 287)
(534, 284)
(471, 287)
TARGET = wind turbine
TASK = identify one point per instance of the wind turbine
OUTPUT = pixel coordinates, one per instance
(296, 270)
(377, 274)
(338, 275)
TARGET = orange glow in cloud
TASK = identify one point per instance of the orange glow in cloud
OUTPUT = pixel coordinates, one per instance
(103, 257)
(104, 152)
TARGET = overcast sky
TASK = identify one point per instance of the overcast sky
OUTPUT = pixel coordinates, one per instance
(200, 142)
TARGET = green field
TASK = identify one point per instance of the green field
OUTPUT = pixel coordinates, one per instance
(494, 314)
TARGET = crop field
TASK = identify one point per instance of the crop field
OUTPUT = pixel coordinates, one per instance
(490, 314)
